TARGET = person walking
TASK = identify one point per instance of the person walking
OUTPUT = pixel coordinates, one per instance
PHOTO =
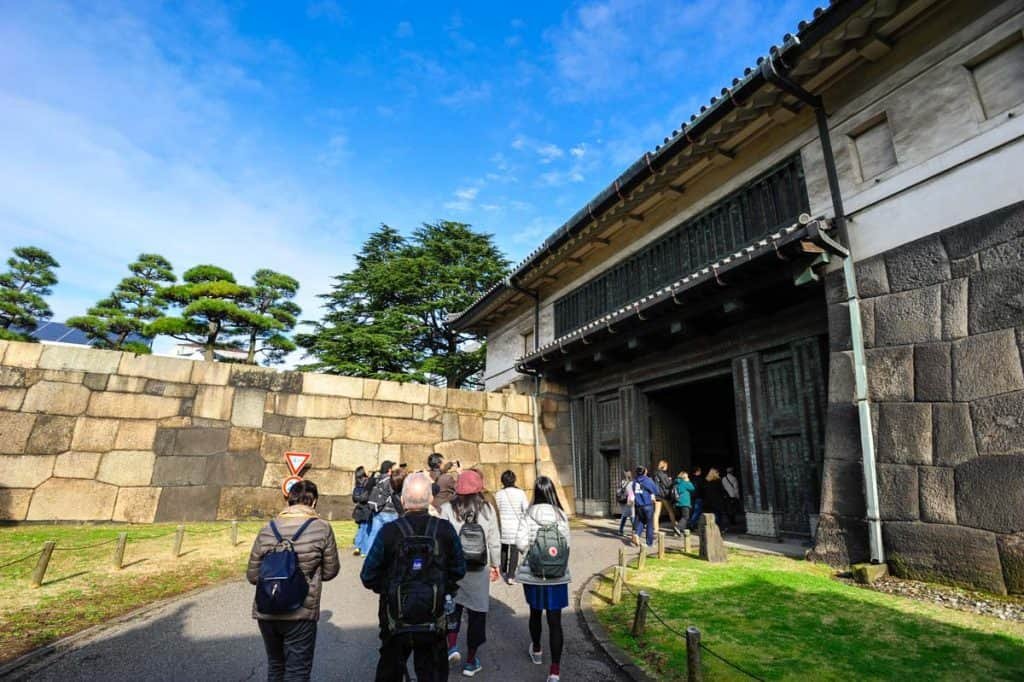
(644, 492)
(624, 496)
(697, 495)
(544, 537)
(684, 490)
(665, 498)
(382, 503)
(289, 637)
(714, 497)
(512, 505)
(414, 565)
(476, 524)
(732, 491)
(361, 512)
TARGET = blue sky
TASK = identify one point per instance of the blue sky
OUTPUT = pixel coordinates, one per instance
(279, 134)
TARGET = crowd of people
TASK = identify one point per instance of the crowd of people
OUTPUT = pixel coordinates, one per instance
(642, 498)
(432, 545)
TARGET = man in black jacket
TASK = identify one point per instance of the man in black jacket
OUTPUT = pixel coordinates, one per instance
(429, 648)
(664, 499)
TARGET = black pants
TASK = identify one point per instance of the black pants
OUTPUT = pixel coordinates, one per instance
(430, 657)
(290, 645)
(509, 560)
(554, 632)
(476, 632)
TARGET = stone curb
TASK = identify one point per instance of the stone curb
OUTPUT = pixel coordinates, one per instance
(599, 634)
(25, 665)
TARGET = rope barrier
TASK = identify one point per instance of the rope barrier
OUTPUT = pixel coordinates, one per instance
(207, 532)
(682, 635)
(27, 556)
(152, 537)
(58, 548)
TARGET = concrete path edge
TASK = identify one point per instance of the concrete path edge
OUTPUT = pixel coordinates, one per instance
(599, 634)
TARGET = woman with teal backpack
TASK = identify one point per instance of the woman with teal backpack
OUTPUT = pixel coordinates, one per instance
(544, 573)
(684, 490)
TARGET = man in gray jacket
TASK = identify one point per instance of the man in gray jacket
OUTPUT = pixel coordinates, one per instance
(290, 638)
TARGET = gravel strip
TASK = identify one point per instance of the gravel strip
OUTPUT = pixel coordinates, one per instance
(1011, 608)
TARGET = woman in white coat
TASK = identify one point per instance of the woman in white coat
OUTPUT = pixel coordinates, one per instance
(550, 595)
(512, 507)
(474, 595)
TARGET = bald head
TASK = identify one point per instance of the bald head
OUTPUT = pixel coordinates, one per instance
(417, 491)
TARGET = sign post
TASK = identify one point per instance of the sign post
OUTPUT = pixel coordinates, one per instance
(296, 462)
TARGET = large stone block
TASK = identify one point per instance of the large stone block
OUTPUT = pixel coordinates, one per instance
(438, 397)
(952, 434)
(188, 503)
(898, 497)
(11, 398)
(50, 435)
(842, 433)
(349, 454)
(467, 400)
(450, 426)
(954, 309)
(25, 471)
(248, 409)
(842, 488)
(13, 377)
(244, 439)
(325, 428)
(918, 264)
(984, 231)
(946, 554)
(905, 433)
(329, 384)
(409, 431)
(15, 429)
(990, 493)
(94, 435)
(319, 450)
(80, 358)
(127, 467)
(235, 468)
(156, 367)
(840, 541)
(414, 453)
(175, 471)
(493, 452)
(839, 328)
(135, 435)
(72, 499)
(937, 491)
(380, 408)
(492, 431)
(471, 427)
(250, 503)
(996, 299)
(890, 373)
(200, 441)
(411, 393)
(247, 376)
(77, 465)
(840, 378)
(986, 365)
(215, 373)
(25, 355)
(872, 278)
(136, 505)
(133, 406)
(54, 397)
(999, 423)
(14, 504)
(908, 317)
(288, 426)
(508, 430)
(521, 453)
(313, 406)
(214, 402)
(370, 429)
(332, 481)
(274, 475)
(274, 446)
(1011, 555)
(460, 450)
(933, 380)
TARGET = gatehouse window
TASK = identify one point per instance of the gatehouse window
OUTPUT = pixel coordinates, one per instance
(873, 148)
(998, 75)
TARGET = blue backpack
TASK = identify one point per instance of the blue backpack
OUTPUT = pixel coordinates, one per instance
(282, 587)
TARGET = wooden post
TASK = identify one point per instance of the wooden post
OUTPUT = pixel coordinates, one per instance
(693, 670)
(661, 544)
(622, 557)
(234, 533)
(179, 536)
(122, 541)
(330, 515)
(620, 578)
(640, 616)
(641, 558)
(686, 540)
(44, 560)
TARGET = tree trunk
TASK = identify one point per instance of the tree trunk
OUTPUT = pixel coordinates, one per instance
(211, 340)
(120, 340)
(251, 359)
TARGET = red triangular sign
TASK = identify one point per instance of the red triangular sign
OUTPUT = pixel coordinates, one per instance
(296, 461)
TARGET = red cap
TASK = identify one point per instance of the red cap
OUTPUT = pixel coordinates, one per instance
(470, 482)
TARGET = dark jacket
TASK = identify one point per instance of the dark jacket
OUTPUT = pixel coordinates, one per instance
(644, 483)
(714, 497)
(664, 482)
(379, 562)
(318, 558)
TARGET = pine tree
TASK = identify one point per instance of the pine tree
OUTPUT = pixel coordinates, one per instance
(22, 288)
(134, 303)
(270, 298)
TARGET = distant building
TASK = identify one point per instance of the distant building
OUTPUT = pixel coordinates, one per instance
(695, 310)
(60, 334)
(194, 351)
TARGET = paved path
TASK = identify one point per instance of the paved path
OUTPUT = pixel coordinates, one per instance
(210, 636)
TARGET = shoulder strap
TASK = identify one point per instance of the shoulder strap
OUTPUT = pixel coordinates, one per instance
(405, 527)
(277, 534)
(302, 529)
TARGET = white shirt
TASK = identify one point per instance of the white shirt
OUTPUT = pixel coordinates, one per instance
(732, 487)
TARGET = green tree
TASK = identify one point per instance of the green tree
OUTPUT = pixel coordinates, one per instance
(386, 318)
(131, 306)
(270, 298)
(213, 310)
(22, 288)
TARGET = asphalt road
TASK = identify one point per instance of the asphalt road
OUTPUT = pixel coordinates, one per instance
(211, 635)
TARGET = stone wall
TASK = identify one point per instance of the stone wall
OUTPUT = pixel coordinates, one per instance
(944, 331)
(100, 435)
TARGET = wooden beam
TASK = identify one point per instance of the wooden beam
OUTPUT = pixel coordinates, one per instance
(678, 189)
(638, 217)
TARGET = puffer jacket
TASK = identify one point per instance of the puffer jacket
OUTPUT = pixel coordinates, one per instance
(536, 516)
(317, 552)
(512, 505)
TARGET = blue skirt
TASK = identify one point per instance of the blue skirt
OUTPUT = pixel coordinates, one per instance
(547, 597)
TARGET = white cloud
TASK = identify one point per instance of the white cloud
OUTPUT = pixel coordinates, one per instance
(464, 198)
(467, 95)
(549, 152)
(578, 151)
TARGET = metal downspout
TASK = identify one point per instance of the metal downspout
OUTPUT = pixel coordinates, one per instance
(867, 443)
(535, 295)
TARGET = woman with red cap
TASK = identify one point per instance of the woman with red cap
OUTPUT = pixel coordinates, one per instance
(476, 523)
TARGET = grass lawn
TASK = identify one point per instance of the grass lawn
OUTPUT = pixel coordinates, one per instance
(81, 588)
(783, 619)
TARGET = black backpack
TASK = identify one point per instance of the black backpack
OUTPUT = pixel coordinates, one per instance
(622, 496)
(548, 556)
(380, 494)
(361, 511)
(415, 596)
(474, 543)
(282, 587)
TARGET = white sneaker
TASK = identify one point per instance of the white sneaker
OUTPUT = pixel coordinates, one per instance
(552, 678)
(536, 656)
